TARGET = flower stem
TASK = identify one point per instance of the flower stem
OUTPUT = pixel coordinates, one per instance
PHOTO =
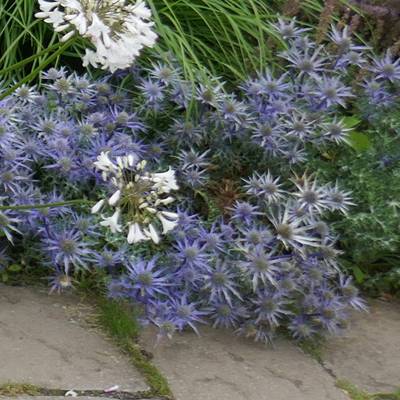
(29, 59)
(47, 205)
(37, 70)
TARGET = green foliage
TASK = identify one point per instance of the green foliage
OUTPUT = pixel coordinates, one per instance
(370, 234)
(23, 36)
(228, 38)
(18, 389)
(356, 394)
(119, 321)
(116, 319)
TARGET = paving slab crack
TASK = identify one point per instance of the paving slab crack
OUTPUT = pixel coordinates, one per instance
(121, 395)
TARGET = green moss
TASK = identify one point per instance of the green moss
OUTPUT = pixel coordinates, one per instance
(154, 378)
(119, 321)
(313, 348)
(17, 389)
(352, 390)
(356, 394)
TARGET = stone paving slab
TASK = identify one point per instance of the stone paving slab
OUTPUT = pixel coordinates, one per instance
(368, 353)
(63, 398)
(221, 366)
(44, 342)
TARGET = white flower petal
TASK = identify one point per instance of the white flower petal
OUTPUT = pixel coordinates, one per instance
(168, 225)
(135, 234)
(112, 222)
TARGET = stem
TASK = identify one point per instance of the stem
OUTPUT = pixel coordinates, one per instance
(47, 205)
(29, 59)
(36, 71)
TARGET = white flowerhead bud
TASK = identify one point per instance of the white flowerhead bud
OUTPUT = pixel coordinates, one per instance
(166, 201)
(97, 207)
(152, 234)
(131, 160)
(114, 198)
(142, 165)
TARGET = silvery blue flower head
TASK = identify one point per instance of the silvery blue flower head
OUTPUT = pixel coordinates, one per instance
(146, 279)
(307, 63)
(264, 187)
(331, 91)
(227, 315)
(67, 249)
(386, 67)
(192, 253)
(220, 283)
(270, 306)
(8, 224)
(342, 39)
(260, 265)
(186, 313)
(288, 30)
(244, 212)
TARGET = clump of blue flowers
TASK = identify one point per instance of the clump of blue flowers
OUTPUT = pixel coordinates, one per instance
(213, 218)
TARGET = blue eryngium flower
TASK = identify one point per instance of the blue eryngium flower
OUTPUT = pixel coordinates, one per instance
(220, 281)
(109, 259)
(270, 306)
(226, 315)
(185, 313)
(301, 327)
(351, 294)
(260, 265)
(386, 68)
(192, 254)
(145, 279)
(60, 280)
(244, 212)
(67, 249)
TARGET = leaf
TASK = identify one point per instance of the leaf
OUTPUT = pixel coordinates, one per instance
(359, 141)
(351, 122)
(14, 268)
(4, 277)
(358, 274)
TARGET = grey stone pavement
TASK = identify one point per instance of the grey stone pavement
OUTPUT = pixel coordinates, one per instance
(47, 341)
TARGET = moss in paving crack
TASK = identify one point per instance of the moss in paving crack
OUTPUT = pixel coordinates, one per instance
(17, 389)
(313, 348)
(118, 320)
(356, 394)
(154, 378)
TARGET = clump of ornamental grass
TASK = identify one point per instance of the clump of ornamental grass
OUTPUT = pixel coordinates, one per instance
(149, 170)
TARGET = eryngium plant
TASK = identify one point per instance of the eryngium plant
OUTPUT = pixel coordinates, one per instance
(260, 260)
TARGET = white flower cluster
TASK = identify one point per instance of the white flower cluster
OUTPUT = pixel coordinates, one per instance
(139, 198)
(118, 30)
